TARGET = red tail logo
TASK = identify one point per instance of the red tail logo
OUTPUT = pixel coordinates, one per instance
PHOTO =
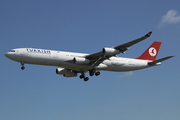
(151, 52)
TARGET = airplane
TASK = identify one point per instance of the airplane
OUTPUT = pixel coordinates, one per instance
(72, 63)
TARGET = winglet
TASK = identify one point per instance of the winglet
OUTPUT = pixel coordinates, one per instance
(148, 34)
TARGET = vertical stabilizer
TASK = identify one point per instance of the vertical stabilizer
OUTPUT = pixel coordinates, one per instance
(151, 52)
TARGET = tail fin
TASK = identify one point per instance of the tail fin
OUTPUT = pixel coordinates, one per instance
(151, 52)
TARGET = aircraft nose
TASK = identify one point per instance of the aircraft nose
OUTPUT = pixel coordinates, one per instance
(7, 54)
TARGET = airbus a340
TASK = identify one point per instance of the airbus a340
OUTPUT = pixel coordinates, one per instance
(73, 63)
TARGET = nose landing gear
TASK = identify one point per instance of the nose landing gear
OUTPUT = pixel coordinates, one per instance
(22, 68)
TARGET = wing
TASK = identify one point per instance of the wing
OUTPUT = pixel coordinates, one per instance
(124, 47)
(99, 57)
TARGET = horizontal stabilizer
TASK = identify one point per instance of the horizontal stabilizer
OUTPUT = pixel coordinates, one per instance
(159, 60)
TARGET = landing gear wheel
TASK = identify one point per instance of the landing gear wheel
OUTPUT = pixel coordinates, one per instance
(81, 76)
(97, 73)
(86, 79)
(91, 73)
(22, 67)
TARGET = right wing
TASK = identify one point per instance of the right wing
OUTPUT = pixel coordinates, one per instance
(99, 57)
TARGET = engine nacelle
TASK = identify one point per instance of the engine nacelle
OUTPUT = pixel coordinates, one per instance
(62, 71)
(79, 60)
(72, 74)
(110, 51)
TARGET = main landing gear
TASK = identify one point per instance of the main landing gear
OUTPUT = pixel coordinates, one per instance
(97, 73)
(22, 68)
(83, 77)
(91, 73)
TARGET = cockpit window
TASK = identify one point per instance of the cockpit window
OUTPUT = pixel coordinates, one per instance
(12, 51)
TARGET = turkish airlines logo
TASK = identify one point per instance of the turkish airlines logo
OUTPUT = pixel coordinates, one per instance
(152, 51)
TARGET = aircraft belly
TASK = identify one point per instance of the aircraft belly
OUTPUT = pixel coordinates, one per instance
(73, 66)
(127, 67)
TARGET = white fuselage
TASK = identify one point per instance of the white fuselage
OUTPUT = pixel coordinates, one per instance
(61, 58)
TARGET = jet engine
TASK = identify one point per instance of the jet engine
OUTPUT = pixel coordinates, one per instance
(79, 60)
(110, 51)
(62, 71)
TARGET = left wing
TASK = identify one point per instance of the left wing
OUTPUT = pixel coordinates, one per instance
(106, 53)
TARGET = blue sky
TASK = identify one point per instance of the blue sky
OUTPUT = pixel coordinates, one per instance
(37, 93)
